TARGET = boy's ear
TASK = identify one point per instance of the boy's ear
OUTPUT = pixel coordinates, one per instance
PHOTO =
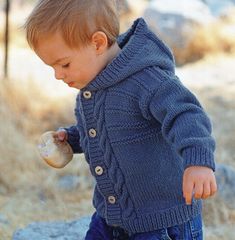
(100, 41)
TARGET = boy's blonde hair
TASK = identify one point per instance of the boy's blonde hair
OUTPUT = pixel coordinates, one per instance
(76, 20)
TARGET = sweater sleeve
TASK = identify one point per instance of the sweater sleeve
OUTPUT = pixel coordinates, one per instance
(184, 123)
(74, 138)
(73, 131)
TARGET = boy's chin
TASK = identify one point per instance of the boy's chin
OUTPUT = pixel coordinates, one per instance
(77, 85)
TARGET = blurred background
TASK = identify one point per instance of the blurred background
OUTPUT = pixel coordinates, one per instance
(201, 34)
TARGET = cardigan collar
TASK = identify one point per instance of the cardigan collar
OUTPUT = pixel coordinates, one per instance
(140, 48)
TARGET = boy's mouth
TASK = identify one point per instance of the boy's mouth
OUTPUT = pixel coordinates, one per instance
(70, 84)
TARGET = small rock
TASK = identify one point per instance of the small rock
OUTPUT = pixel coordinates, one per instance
(225, 177)
(176, 21)
(68, 182)
(218, 7)
(72, 182)
(61, 230)
(3, 220)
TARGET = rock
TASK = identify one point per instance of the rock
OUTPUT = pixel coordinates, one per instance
(123, 6)
(220, 209)
(73, 182)
(218, 7)
(225, 177)
(68, 182)
(221, 232)
(4, 220)
(60, 230)
(176, 21)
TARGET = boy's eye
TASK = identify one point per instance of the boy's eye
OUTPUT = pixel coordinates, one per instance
(65, 66)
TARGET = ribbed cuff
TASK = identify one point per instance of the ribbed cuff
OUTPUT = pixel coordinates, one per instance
(198, 157)
(74, 139)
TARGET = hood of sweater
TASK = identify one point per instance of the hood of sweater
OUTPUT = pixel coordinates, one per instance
(140, 48)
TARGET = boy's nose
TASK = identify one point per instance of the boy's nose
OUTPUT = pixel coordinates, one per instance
(59, 75)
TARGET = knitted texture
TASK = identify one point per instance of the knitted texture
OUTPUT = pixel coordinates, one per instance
(73, 136)
(142, 127)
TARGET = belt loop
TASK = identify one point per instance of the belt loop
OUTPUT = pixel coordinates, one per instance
(120, 234)
(116, 233)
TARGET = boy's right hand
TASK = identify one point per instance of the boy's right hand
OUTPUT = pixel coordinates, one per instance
(198, 182)
(60, 135)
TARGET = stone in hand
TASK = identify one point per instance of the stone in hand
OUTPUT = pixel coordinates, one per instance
(56, 153)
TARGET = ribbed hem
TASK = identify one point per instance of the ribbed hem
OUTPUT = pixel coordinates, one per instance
(198, 157)
(168, 218)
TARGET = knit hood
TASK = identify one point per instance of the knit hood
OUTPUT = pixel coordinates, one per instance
(140, 48)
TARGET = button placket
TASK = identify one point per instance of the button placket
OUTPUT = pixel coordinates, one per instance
(99, 169)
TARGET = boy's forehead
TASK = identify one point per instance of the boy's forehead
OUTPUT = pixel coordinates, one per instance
(55, 43)
(52, 50)
(52, 38)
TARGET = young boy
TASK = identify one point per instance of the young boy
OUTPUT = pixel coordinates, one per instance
(145, 137)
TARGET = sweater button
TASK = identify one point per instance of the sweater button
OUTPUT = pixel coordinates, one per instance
(87, 94)
(112, 199)
(92, 133)
(99, 170)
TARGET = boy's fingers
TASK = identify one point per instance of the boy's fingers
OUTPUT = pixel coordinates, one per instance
(198, 190)
(213, 186)
(188, 191)
(206, 190)
(61, 135)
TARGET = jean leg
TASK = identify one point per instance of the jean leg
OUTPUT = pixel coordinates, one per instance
(191, 230)
(98, 229)
(195, 228)
(160, 234)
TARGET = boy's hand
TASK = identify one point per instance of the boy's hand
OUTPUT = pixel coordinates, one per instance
(198, 181)
(61, 135)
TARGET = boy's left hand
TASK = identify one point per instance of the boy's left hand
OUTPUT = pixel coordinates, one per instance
(198, 181)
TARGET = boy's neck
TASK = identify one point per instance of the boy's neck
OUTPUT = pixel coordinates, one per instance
(112, 52)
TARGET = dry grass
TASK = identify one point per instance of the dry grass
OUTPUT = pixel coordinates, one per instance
(26, 112)
(16, 34)
(19, 10)
(28, 187)
(33, 110)
(218, 37)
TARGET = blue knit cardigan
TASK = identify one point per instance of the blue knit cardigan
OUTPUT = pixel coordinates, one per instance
(139, 128)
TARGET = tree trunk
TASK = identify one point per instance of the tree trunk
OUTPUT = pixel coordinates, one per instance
(7, 9)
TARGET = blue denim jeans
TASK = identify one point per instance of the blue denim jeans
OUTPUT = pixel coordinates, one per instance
(99, 230)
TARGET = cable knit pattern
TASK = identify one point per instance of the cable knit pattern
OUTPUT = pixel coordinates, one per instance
(114, 171)
(139, 128)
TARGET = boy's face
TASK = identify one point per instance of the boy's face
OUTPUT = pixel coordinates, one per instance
(76, 67)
